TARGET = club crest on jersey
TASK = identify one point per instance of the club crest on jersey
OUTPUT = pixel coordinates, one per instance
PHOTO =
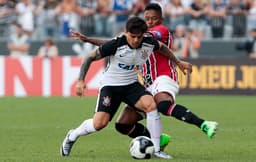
(106, 101)
(144, 54)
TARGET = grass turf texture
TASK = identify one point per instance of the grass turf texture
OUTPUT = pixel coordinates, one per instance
(32, 130)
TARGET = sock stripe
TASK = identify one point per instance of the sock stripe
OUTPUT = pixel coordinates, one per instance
(169, 112)
(131, 130)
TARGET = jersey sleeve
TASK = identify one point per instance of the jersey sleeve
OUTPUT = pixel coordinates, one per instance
(151, 40)
(109, 48)
(162, 33)
(156, 34)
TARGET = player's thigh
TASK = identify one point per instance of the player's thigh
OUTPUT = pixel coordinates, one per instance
(137, 96)
(108, 101)
(164, 88)
(129, 115)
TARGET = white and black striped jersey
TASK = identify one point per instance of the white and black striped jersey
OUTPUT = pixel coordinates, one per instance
(125, 61)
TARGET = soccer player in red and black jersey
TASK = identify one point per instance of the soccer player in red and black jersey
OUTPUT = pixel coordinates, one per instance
(160, 78)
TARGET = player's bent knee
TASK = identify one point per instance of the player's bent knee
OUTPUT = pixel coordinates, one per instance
(150, 106)
(100, 120)
(98, 125)
(124, 128)
(146, 103)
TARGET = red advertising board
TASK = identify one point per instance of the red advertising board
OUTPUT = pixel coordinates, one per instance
(33, 76)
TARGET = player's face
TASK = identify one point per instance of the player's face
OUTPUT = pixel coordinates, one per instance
(152, 18)
(134, 40)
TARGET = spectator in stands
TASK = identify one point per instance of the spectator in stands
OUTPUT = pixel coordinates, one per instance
(25, 10)
(48, 50)
(252, 53)
(18, 43)
(138, 7)
(251, 15)
(7, 16)
(186, 5)
(162, 3)
(237, 13)
(186, 44)
(179, 38)
(47, 23)
(87, 21)
(103, 26)
(69, 13)
(249, 45)
(217, 15)
(121, 10)
(198, 17)
(175, 11)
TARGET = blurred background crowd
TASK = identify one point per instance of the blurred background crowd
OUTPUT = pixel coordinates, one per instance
(197, 19)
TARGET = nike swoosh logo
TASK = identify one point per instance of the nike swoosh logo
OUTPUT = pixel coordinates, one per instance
(121, 55)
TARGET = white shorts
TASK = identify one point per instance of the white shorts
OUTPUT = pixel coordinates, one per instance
(164, 84)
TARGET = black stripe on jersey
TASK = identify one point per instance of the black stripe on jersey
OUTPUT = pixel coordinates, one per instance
(107, 61)
(147, 77)
(169, 38)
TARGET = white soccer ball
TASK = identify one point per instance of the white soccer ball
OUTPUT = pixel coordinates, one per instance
(141, 147)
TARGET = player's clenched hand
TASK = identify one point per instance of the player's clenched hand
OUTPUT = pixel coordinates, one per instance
(185, 66)
(76, 35)
(80, 86)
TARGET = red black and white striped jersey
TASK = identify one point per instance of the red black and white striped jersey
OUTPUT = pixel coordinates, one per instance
(157, 64)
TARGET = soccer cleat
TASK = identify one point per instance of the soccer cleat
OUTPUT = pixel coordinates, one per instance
(209, 128)
(164, 141)
(162, 155)
(67, 144)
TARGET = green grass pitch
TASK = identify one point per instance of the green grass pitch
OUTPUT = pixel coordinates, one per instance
(32, 130)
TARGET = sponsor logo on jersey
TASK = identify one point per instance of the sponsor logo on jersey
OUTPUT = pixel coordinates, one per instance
(128, 67)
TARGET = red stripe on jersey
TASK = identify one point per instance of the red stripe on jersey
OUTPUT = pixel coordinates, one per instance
(159, 64)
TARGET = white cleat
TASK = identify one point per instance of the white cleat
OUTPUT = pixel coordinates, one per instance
(162, 155)
(67, 144)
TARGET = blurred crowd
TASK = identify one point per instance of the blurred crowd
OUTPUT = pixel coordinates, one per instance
(191, 20)
(106, 18)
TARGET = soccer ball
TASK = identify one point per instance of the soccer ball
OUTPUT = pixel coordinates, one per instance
(141, 147)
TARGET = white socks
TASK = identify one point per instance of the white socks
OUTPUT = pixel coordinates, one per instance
(154, 126)
(85, 128)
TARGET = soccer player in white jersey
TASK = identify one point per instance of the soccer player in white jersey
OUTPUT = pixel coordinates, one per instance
(127, 54)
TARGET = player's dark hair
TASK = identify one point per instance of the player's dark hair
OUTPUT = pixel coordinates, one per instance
(136, 25)
(154, 6)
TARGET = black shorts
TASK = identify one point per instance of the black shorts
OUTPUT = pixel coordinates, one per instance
(110, 97)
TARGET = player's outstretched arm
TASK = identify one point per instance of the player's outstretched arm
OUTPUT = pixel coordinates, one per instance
(79, 36)
(183, 65)
(93, 56)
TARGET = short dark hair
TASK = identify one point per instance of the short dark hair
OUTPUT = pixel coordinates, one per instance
(154, 6)
(136, 25)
